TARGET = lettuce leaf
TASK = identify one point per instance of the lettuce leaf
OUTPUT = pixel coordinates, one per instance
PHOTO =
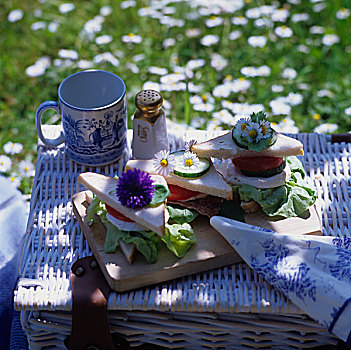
(179, 238)
(181, 216)
(289, 200)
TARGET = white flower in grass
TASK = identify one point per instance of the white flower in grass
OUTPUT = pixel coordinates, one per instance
(224, 117)
(239, 20)
(325, 128)
(300, 17)
(193, 32)
(14, 180)
(38, 25)
(150, 85)
(26, 168)
(65, 8)
(203, 107)
(164, 162)
(330, 39)
(103, 39)
(257, 41)
(240, 84)
(15, 15)
(280, 15)
(348, 110)
(5, 164)
(195, 64)
(222, 90)
(253, 132)
(70, 54)
(157, 70)
(235, 34)
(190, 160)
(169, 42)
(128, 3)
(105, 10)
(289, 73)
(214, 21)
(85, 64)
(209, 40)
(106, 57)
(317, 30)
(218, 62)
(283, 32)
(189, 144)
(132, 38)
(343, 13)
(13, 148)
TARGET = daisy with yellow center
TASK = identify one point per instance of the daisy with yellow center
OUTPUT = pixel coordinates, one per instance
(241, 125)
(253, 133)
(265, 129)
(190, 160)
(164, 162)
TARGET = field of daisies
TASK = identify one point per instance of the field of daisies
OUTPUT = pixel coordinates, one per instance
(214, 61)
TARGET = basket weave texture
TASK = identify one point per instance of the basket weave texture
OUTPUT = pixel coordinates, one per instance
(54, 242)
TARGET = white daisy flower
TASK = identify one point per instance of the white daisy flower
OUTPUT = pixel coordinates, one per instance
(65, 8)
(132, 38)
(265, 129)
(253, 132)
(26, 168)
(236, 34)
(209, 40)
(13, 148)
(15, 15)
(5, 164)
(164, 162)
(190, 160)
(189, 144)
(14, 180)
(242, 125)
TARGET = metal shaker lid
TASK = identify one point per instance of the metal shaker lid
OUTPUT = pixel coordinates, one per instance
(148, 101)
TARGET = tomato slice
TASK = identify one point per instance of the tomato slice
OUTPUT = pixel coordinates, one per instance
(115, 213)
(257, 164)
(179, 193)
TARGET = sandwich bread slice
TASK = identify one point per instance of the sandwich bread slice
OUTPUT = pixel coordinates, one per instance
(104, 187)
(223, 147)
(264, 171)
(133, 210)
(211, 183)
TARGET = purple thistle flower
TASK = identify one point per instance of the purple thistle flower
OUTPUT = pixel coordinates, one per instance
(135, 188)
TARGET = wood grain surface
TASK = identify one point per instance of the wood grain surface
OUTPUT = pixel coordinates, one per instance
(211, 250)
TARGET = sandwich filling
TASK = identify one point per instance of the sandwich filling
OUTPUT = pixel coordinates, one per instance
(135, 186)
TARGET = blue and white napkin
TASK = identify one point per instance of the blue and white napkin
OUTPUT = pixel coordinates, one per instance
(314, 272)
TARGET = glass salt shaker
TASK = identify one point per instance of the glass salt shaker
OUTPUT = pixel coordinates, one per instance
(149, 125)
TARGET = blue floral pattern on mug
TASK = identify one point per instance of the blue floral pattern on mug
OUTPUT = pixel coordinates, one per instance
(103, 137)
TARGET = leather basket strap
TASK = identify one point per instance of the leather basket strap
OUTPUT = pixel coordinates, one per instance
(90, 292)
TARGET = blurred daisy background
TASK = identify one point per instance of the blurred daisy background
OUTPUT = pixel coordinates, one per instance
(214, 61)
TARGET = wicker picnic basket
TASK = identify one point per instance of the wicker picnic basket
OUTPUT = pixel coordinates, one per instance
(225, 308)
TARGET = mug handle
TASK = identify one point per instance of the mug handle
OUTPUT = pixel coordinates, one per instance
(40, 111)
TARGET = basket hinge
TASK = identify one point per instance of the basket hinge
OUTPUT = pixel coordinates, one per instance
(90, 292)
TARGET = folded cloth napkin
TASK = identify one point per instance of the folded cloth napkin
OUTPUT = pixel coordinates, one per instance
(13, 220)
(314, 272)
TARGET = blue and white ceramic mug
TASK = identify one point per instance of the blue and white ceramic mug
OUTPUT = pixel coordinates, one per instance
(92, 106)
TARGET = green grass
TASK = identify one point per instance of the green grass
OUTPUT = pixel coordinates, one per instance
(322, 68)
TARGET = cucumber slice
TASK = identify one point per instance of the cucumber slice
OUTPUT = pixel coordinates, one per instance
(264, 143)
(190, 172)
(267, 173)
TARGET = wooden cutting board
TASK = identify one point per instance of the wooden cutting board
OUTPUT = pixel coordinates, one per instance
(211, 250)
